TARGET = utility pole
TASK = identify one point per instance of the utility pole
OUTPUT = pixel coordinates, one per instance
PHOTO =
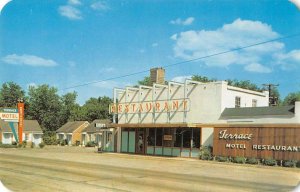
(272, 98)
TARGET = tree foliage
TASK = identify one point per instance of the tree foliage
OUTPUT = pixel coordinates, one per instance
(45, 106)
(96, 108)
(245, 84)
(291, 98)
(10, 92)
(146, 81)
(69, 107)
(202, 79)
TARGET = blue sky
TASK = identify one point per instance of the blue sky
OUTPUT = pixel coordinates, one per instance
(70, 42)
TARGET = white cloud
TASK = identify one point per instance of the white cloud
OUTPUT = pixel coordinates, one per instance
(179, 21)
(74, 2)
(100, 6)
(3, 3)
(30, 60)
(196, 44)
(70, 12)
(181, 79)
(256, 67)
(288, 61)
(296, 2)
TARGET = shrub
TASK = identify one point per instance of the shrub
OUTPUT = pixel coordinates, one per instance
(252, 160)
(206, 153)
(14, 143)
(90, 144)
(221, 159)
(77, 143)
(240, 160)
(42, 145)
(32, 145)
(50, 138)
(7, 146)
(24, 143)
(289, 163)
(298, 164)
(270, 162)
(63, 142)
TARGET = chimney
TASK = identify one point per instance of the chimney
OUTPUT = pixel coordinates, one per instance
(157, 75)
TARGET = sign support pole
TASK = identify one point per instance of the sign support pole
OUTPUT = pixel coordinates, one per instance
(21, 120)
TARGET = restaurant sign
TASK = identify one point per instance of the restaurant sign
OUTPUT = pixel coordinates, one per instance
(159, 106)
(224, 135)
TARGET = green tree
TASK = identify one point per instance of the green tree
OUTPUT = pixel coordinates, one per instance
(69, 107)
(146, 81)
(291, 98)
(10, 92)
(202, 79)
(245, 84)
(44, 105)
(96, 108)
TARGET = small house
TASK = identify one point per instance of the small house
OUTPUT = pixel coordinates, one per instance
(71, 132)
(100, 132)
(32, 132)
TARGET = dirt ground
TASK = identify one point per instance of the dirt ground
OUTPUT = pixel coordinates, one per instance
(82, 169)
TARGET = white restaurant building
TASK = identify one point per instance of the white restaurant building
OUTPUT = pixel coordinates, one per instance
(173, 118)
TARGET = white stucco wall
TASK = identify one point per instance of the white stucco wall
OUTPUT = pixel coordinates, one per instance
(206, 102)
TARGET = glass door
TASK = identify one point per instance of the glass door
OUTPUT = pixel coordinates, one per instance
(140, 141)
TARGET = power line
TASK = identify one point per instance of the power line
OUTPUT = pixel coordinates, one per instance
(183, 62)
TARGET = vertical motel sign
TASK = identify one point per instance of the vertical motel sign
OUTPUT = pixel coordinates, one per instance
(14, 115)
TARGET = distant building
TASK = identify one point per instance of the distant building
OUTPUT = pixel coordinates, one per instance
(100, 132)
(71, 132)
(32, 132)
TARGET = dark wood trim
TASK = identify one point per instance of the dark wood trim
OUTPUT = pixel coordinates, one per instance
(293, 125)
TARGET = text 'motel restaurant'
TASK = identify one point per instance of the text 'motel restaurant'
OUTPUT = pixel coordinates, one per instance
(175, 119)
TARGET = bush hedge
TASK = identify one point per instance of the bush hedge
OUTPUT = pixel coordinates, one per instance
(8, 146)
(90, 144)
(252, 160)
(270, 162)
(49, 138)
(240, 160)
(298, 164)
(206, 153)
(42, 145)
(221, 158)
(289, 163)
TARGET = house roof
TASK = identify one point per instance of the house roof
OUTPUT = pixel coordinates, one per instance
(29, 126)
(244, 112)
(70, 126)
(92, 128)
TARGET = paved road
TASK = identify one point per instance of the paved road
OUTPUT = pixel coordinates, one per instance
(88, 171)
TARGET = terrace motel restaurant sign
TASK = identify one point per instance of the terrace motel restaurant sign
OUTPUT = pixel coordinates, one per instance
(223, 134)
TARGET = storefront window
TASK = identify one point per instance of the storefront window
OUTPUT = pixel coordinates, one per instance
(196, 138)
(159, 136)
(177, 141)
(186, 133)
(168, 137)
(151, 137)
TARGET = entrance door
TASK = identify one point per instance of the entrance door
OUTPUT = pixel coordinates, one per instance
(140, 141)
